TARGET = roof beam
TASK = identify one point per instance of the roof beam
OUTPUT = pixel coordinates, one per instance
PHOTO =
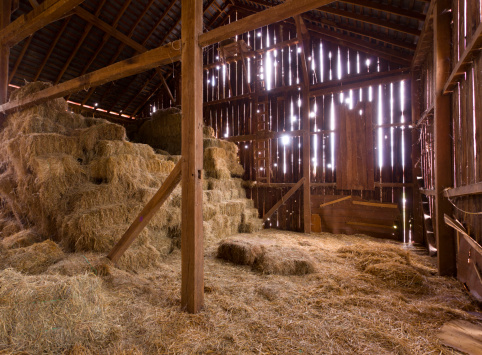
(260, 19)
(26, 25)
(135, 65)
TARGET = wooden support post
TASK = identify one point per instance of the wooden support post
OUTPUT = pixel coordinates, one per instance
(303, 37)
(446, 253)
(5, 11)
(147, 213)
(192, 251)
(416, 170)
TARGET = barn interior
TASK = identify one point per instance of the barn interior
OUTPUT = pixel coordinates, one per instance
(240, 176)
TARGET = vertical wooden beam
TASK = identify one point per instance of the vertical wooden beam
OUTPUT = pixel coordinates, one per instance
(303, 38)
(446, 252)
(416, 153)
(5, 11)
(192, 251)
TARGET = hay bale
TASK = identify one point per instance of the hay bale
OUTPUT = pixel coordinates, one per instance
(398, 276)
(162, 131)
(265, 256)
(23, 238)
(284, 261)
(33, 259)
(240, 251)
(48, 314)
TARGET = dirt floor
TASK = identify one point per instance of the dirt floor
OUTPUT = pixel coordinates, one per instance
(365, 296)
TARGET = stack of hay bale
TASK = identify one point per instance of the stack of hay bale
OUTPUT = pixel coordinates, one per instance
(79, 182)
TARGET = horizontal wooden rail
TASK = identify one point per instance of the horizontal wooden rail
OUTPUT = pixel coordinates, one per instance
(472, 49)
(427, 192)
(472, 189)
(147, 213)
(283, 199)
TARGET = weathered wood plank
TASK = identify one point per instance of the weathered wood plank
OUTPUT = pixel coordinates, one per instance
(5, 6)
(192, 251)
(147, 213)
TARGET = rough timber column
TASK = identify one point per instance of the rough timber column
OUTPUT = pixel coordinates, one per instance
(416, 171)
(192, 288)
(5, 11)
(442, 138)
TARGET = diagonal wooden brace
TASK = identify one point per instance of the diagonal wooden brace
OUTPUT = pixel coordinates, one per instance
(147, 213)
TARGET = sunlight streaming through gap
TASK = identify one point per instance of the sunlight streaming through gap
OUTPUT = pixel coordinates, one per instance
(404, 201)
(332, 134)
(380, 130)
(322, 65)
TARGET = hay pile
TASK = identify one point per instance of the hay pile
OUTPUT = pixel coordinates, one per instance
(338, 309)
(79, 182)
(266, 256)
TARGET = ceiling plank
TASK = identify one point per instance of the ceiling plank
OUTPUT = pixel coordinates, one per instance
(371, 20)
(135, 65)
(260, 19)
(19, 59)
(387, 8)
(51, 49)
(26, 25)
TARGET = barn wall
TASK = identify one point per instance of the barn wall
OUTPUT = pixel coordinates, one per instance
(466, 139)
(273, 81)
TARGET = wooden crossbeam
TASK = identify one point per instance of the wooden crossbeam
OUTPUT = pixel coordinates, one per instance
(284, 199)
(357, 81)
(425, 40)
(42, 15)
(147, 213)
(138, 64)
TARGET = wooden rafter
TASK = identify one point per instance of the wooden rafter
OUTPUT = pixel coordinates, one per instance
(42, 15)
(51, 49)
(19, 59)
(84, 35)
